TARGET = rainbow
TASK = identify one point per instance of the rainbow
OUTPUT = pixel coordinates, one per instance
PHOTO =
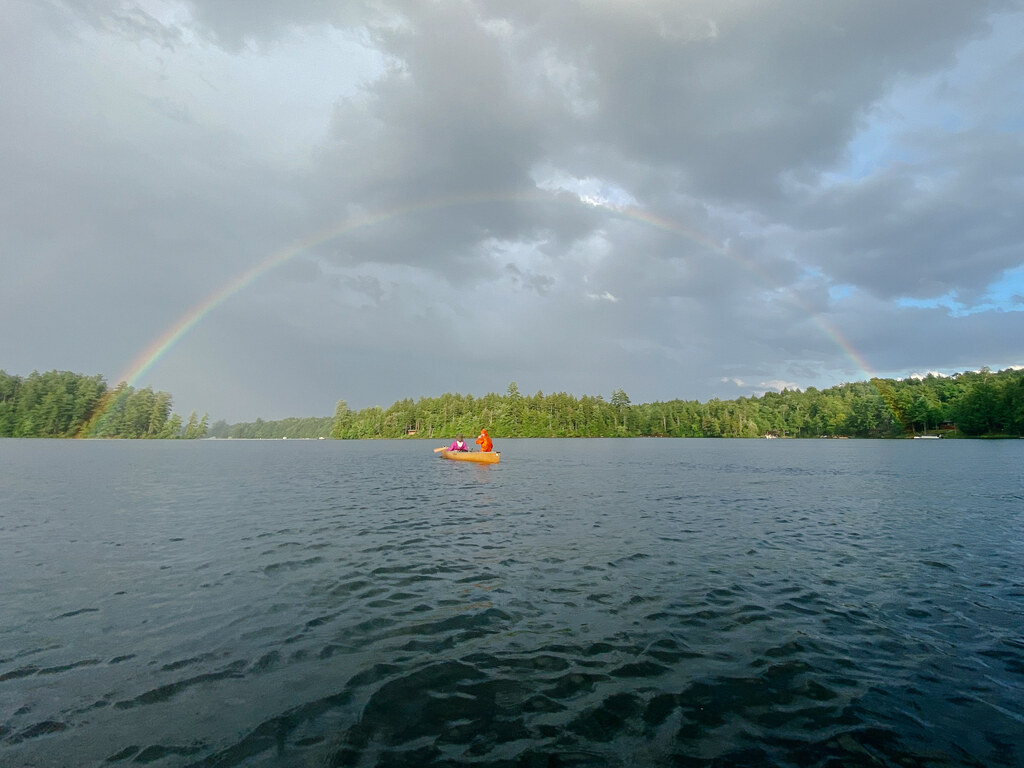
(167, 340)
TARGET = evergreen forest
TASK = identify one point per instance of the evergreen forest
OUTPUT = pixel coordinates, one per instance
(971, 404)
(63, 404)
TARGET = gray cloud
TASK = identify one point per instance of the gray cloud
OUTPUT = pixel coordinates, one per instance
(577, 197)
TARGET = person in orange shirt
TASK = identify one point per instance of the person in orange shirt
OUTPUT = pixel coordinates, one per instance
(484, 441)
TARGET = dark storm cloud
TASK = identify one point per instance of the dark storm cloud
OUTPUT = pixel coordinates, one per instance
(734, 95)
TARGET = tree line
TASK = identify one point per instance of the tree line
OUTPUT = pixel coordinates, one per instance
(291, 428)
(64, 404)
(969, 404)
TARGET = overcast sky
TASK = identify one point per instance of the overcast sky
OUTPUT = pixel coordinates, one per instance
(371, 201)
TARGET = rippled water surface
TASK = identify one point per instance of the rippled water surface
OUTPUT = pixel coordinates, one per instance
(582, 603)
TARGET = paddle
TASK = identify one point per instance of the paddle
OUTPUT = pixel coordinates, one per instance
(438, 450)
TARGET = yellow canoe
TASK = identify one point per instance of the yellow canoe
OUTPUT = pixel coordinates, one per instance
(491, 457)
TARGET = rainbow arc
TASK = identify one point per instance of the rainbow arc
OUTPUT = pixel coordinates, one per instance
(180, 328)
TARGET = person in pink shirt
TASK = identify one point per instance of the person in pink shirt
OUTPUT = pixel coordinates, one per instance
(458, 444)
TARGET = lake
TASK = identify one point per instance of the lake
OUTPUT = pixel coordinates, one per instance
(582, 603)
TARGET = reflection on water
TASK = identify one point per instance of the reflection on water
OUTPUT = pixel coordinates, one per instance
(597, 603)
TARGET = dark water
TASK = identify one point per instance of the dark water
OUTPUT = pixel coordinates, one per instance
(583, 603)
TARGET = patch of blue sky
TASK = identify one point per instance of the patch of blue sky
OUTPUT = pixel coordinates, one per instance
(891, 133)
(947, 301)
(840, 292)
(1004, 295)
(1007, 293)
(984, 88)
